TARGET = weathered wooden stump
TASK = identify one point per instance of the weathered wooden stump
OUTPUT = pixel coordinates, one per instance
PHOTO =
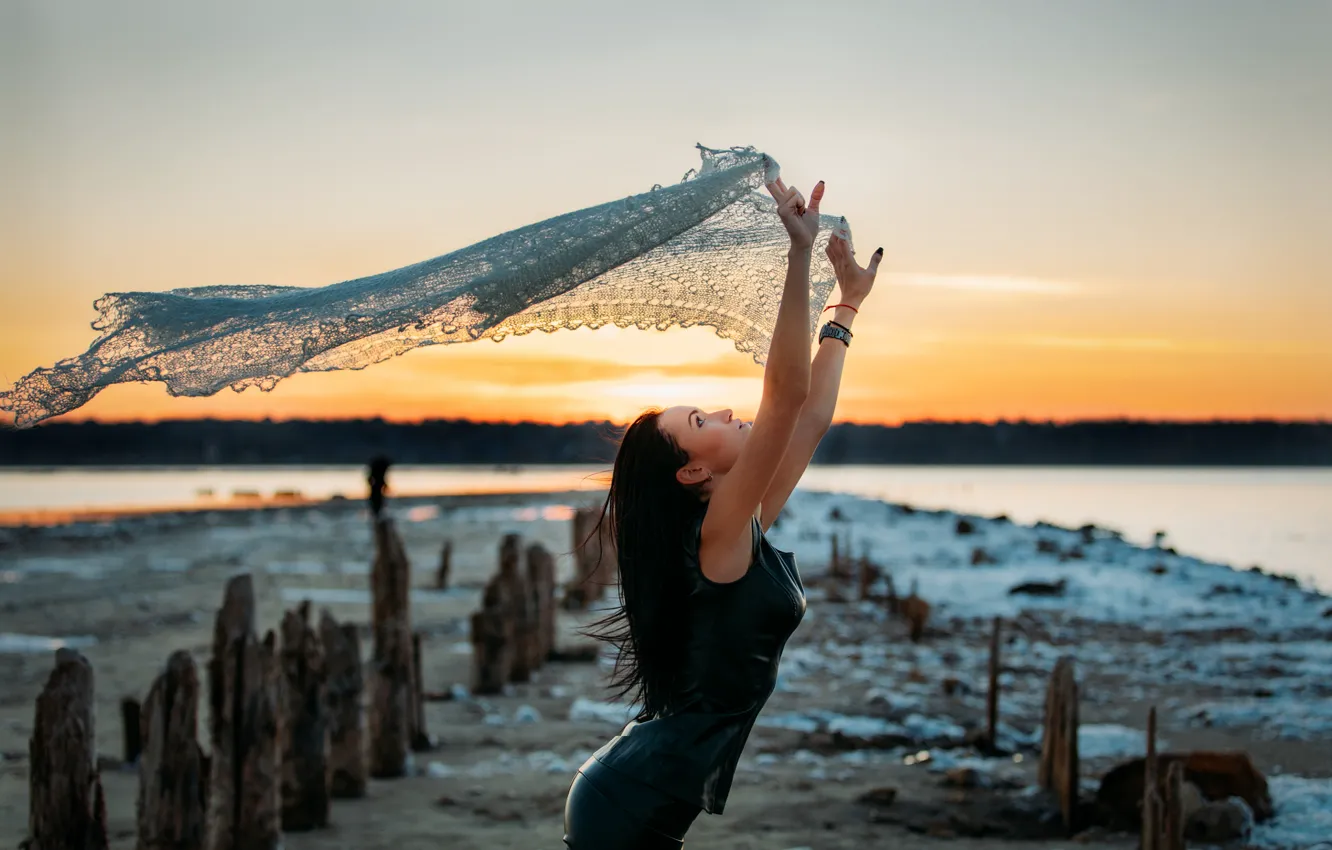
(839, 561)
(244, 684)
(594, 559)
(1152, 804)
(130, 710)
(1162, 801)
(66, 807)
(391, 670)
(346, 748)
(445, 566)
(992, 697)
(173, 772)
(868, 574)
(541, 581)
(917, 614)
(1172, 821)
(420, 738)
(520, 608)
(492, 643)
(1059, 745)
(305, 724)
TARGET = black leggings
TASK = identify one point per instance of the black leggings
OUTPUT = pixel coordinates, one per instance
(607, 810)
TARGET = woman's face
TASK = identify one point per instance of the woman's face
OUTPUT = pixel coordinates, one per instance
(711, 439)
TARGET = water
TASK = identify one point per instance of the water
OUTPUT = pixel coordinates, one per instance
(1278, 518)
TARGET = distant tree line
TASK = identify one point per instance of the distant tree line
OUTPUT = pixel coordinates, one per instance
(223, 442)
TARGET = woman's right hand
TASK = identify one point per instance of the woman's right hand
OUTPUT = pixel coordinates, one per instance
(801, 219)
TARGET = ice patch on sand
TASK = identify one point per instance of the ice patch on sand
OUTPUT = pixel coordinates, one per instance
(1303, 814)
(1111, 740)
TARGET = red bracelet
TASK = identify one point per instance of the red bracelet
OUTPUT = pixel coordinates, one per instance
(847, 306)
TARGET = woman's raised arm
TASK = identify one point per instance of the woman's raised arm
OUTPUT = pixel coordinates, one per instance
(727, 538)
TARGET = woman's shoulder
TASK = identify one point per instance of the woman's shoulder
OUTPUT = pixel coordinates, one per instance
(693, 537)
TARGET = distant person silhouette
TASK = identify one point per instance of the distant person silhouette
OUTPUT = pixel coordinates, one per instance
(377, 477)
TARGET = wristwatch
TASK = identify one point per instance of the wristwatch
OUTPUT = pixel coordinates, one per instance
(836, 332)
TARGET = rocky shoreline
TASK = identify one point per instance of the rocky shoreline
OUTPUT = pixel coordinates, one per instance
(870, 737)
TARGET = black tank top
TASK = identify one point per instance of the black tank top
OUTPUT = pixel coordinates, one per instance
(737, 632)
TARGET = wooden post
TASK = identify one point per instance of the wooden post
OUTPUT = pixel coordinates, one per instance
(917, 613)
(541, 580)
(594, 558)
(420, 738)
(992, 698)
(518, 602)
(492, 643)
(346, 754)
(391, 670)
(1059, 745)
(868, 573)
(129, 728)
(1172, 826)
(1151, 795)
(173, 772)
(445, 566)
(305, 724)
(66, 807)
(245, 787)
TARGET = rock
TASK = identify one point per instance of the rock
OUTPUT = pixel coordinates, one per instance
(1218, 776)
(1328, 613)
(1191, 800)
(883, 796)
(526, 714)
(917, 613)
(952, 686)
(979, 557)
(1047, 546)
(1040, 588)
(962, 777)
(1219, 822)
(1158, 569)
(965, 527)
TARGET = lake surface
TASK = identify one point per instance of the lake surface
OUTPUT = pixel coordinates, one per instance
(1278, 518)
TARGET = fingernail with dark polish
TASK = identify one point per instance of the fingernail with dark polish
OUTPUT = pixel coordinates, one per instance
(880, 251)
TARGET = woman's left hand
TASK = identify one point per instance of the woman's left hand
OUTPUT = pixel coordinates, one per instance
(854, 281)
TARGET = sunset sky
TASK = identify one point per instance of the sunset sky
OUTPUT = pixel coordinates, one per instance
(1089, 209)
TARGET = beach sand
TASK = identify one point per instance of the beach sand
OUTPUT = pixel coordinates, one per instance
(1246, 666)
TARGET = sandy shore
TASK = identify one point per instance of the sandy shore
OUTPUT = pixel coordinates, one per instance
(1231, 660)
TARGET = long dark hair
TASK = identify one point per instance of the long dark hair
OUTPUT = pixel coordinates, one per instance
(648, 512)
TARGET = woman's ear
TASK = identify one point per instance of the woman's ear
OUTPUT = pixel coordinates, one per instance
(692, 475)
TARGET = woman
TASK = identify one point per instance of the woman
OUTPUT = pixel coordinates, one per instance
(707, 603)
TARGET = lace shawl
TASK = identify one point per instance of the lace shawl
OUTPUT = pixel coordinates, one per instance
(708, 251)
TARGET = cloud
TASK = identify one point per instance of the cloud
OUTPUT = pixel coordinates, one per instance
(988, 283)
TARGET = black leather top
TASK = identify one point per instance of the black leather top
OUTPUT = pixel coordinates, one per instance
(737, 633)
